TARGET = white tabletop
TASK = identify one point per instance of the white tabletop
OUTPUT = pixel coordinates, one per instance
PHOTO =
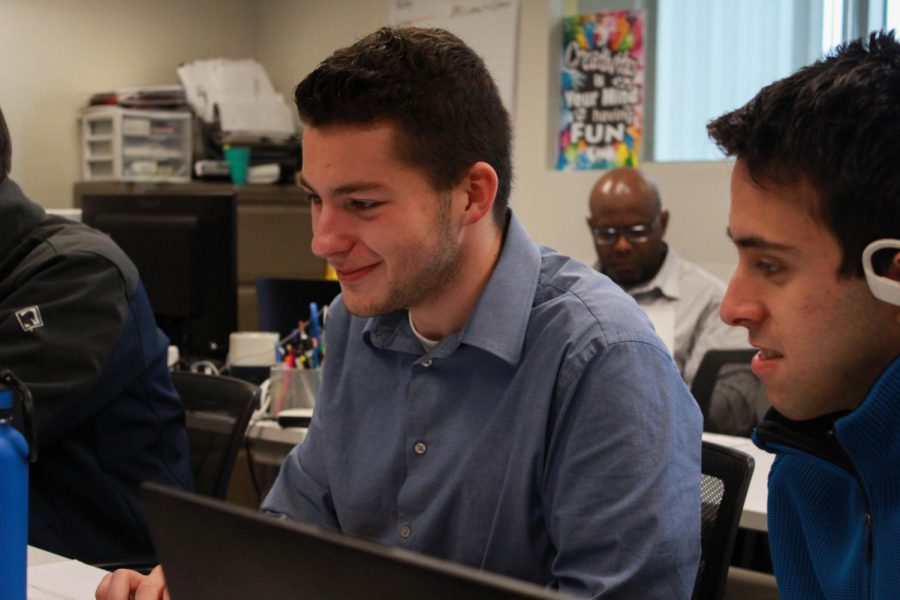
(36, 556)
(270, 442)
(54, 577)
(754, 513)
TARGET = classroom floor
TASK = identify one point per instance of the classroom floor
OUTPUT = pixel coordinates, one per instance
(744, 584)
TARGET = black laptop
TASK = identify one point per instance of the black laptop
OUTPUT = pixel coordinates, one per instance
(213, 550)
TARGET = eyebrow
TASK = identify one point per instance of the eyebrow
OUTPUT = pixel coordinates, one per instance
(758, 242)
(607, 226)
(347, 189)
(625, 226)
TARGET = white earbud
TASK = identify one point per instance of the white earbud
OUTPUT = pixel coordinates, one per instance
(883, 288)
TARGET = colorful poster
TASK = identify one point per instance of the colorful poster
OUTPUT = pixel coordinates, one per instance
(602, 90)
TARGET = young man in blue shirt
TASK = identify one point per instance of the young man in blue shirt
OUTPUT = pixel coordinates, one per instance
(816, 182)
(484, 400)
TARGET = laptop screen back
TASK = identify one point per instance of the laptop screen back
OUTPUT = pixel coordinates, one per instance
(211, 549)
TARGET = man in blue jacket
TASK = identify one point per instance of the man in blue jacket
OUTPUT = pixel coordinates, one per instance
(816, 183)
(76, 326)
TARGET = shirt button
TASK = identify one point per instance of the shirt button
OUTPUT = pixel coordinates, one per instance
(427, 363)
(420, 448)
(405, 532)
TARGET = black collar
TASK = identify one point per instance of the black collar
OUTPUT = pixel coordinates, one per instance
(814, 436)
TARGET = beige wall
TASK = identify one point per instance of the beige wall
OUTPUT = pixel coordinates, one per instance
(55, 53)
(295, 36)
(64, 51)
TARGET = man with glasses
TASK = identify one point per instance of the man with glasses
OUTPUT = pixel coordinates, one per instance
(628, 224)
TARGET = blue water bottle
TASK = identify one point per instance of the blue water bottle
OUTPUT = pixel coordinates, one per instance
(14, 458)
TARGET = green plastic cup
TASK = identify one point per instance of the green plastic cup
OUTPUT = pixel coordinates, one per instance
(238, 158)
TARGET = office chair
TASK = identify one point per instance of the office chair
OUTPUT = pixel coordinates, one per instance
(217, 411)
(724, 481)
(708, 373)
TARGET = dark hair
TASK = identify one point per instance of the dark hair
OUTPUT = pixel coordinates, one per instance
(432, 87)
(5, 148)
(835, 124)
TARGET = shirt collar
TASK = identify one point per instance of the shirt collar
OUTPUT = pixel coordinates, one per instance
(498, 323)
(666, 281)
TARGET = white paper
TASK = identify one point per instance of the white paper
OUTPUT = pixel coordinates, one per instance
(490, 27)
(270, 117)
(67, 580)
(662, 315)
(241, 92)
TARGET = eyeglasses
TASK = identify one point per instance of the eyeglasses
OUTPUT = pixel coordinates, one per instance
(635, 234)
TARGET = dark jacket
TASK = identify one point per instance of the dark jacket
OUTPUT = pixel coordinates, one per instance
(76, 326)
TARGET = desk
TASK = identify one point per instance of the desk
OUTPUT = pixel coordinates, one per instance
(754, 513)
(54, 577)
(36, 557)
(270, 443)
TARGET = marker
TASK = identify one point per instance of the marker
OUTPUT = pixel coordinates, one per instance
(314, 332)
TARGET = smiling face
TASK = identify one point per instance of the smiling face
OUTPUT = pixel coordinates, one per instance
(385, 230)
(823, 340)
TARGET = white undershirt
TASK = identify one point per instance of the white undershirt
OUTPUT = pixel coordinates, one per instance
(428, 344)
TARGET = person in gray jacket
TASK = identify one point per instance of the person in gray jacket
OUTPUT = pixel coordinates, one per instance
(77, 328)
(628, 225)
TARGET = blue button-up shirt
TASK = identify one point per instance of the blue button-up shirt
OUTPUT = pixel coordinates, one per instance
(551, 439)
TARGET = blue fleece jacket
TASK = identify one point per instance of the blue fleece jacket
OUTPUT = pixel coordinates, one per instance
(834, 499)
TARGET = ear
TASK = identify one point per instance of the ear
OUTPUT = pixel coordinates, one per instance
(893, 270)
(663, 221)
(480, 187)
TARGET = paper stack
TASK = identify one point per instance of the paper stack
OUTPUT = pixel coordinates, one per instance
(238, 95)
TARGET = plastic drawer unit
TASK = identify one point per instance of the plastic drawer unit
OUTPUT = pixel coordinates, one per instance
(121, 144)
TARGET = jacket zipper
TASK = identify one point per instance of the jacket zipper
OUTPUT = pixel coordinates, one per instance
(867, 517)
(869, 544)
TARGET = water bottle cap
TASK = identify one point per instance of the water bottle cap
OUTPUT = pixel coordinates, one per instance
(6, 399)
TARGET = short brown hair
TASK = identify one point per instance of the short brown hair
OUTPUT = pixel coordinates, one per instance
(835, 124)
(429, 84)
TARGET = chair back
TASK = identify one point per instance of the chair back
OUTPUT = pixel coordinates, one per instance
(725, 477)
(724, 481)
(708, 373)
(217, 411)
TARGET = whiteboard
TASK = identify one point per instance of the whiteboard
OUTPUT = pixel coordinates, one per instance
(488, 26)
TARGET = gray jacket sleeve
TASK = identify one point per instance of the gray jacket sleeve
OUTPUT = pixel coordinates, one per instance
(60, 317)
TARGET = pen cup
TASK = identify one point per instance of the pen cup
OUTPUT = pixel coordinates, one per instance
(292, 388)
